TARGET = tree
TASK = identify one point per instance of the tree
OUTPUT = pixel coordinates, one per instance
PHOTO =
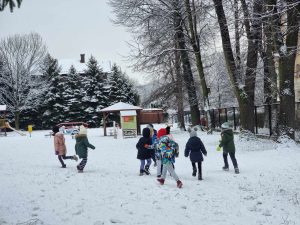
(21, 56)
(51, 71)
(11, 3)
(244, 91)
(116, 92)
(94, 90)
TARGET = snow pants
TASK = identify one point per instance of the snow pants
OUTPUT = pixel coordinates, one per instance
(61, 157)
(82, 164)
(233, 159)
(169, 167)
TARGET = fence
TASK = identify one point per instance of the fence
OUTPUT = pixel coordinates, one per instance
(266, 117)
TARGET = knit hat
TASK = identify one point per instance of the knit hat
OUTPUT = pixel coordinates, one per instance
(55, 129)
(225, 125)
(161, 132)
(193, 131)
(82, 130)
(146, 132)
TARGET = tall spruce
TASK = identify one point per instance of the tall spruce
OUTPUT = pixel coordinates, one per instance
(116, 81)
(94, 89)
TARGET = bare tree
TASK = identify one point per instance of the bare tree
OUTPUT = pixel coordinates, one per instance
(21, 57)
(11, 3)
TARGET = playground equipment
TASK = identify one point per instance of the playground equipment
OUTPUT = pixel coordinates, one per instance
(5, 125)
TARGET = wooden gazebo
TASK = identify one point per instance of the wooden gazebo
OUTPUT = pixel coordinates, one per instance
(117, 108)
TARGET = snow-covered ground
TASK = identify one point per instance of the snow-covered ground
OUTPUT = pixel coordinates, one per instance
(35, 190)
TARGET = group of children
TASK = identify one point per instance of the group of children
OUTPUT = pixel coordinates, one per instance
(162, 149)
(81, 147)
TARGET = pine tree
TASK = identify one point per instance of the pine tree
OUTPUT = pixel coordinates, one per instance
(53, 100)
(94, 93)
(116, 89)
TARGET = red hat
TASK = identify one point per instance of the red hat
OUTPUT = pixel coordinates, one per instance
(161, 132)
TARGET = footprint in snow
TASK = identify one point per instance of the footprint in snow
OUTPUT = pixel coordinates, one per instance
(115, 221)
(99, 223)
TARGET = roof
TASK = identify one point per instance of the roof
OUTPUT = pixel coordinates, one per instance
(2, 107)
(120, 106)
(81, 67)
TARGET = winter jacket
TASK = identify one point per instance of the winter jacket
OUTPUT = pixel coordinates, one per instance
(227, 141)
(143, 151)
(194, 148)
(59, 144)
(169, 149)
(82, 145)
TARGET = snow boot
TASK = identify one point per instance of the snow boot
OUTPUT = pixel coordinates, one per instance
(225, 168)
(146, 170)
(179, 184)
(194, 172)
(161, 180)
(236, 170)
(200, 176)
(75, 158)
(64, 166)
(141, 173)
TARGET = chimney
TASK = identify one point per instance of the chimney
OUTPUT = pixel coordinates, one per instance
(82, 58)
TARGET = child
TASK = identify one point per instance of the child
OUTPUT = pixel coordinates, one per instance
(227, 142)
(81, 147)
(60, 147)
(143, 152)
(194, 147)
(167, 147)
(153, 135)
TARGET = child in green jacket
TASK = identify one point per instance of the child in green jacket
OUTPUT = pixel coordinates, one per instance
(81, 147)
(227, 142)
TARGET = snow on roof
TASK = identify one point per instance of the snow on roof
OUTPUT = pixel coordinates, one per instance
(120, 106)
(2, 107)
(81, 67)
(153, 109)
(128, 113)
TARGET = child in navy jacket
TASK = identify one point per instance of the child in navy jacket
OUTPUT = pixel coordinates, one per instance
(194, 148)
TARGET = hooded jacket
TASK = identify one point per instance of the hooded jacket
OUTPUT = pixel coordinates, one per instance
(227, 141)
(194, 148)
(143, 152)
(59, 144)
(82, 145)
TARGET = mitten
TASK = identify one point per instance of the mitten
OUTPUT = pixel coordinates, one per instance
(56, 152)
(218, 148)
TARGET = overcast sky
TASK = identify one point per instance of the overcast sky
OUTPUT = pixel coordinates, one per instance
(71, 27)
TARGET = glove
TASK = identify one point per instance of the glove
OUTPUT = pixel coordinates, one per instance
(56, 152)
(205, 154)
(218, 148)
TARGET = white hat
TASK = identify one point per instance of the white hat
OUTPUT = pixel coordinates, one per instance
(225, 125)
(193, 131)
(82, 130)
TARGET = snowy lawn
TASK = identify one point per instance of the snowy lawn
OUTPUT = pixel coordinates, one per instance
(35, 190)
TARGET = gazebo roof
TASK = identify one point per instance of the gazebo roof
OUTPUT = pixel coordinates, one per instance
(120, 106)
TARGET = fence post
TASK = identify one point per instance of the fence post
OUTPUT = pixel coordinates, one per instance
(270, 118)
(255, 114)
(226, 118)
(234, 122)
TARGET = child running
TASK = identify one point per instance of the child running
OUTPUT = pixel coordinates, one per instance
(60, 147)
(167, 147)
(194, 148)
(144, 154)
(227, 142)
(81, 147)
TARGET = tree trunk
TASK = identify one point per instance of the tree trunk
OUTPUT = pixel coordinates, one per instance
(245, 96)
(17, 120)
(187, 71)
(179, 92)
(286, 74)
(197, 52)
